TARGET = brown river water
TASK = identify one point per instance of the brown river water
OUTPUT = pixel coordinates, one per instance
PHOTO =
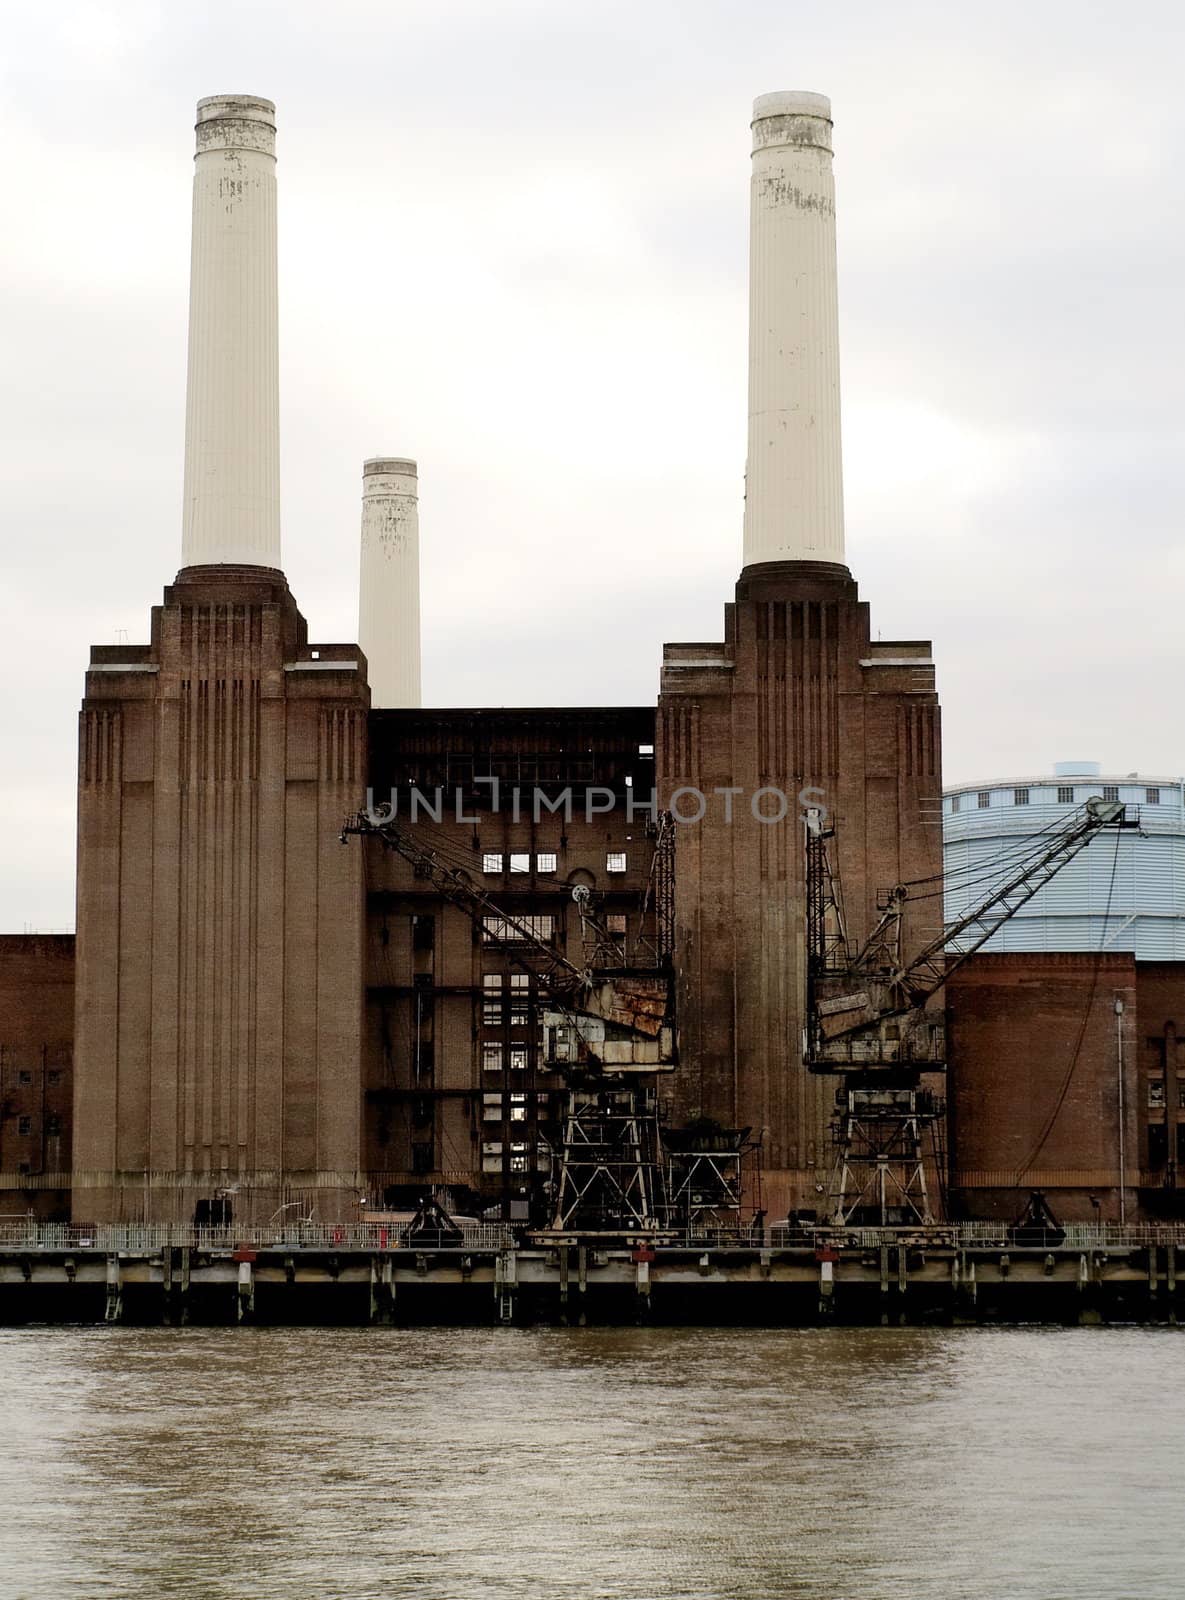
(827, 1464)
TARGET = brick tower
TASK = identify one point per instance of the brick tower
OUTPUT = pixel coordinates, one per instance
(219, 977)
(796, 697)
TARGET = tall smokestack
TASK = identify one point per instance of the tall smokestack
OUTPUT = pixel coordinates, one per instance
(794, 487)
(232, 412)
(389, 583)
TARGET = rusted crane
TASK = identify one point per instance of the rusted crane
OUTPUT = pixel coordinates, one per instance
(870, 1024)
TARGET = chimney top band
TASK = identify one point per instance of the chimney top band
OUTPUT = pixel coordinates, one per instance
(792, 117)
(236, 122)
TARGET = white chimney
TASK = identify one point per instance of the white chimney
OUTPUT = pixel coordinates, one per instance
(389, 582)
(794, 487)
(232, 422)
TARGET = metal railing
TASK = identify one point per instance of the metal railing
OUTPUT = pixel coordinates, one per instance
(139, 1238)
(135, 1238)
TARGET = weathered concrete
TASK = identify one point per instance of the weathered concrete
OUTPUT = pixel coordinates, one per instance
(891, 1282)
(794, 476)
(232, 414)
(389, 581)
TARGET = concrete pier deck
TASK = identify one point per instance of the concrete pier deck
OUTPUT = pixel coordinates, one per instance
(357, 1275)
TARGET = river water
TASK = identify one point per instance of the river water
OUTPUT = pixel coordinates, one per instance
(459, 1465)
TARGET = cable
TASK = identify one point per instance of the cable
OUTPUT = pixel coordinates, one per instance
(1078, 1043)
(1013, 848)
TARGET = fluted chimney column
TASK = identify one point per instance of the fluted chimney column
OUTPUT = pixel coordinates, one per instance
(794, 487)
(389, 581)
(232, 425)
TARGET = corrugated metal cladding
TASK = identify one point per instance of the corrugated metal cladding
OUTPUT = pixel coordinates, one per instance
(1125, 891)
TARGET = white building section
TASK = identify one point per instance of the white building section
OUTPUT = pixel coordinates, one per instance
(389, 581)
(1126, 891)
(794, 483)
(232, 414)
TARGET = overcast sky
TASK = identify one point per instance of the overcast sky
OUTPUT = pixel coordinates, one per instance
(513, 242)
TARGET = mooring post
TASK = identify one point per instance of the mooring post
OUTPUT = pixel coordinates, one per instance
(245, 1297)
(114, 1311)
(643, 1257)
(902, 1280)
(166, 1284)
(382, 1289)
(826, 1257)
(563, 1258)
(581, 1283)
(505, 1281)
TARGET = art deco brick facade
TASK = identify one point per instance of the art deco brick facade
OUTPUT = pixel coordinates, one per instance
(219, 921)
(1038, 1053)
(36, 1072)
(796, 697)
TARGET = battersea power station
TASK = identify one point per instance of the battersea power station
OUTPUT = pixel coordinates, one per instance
(595, 969)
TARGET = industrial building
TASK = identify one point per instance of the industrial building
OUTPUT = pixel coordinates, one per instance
(1126, 893)
(259, 1015)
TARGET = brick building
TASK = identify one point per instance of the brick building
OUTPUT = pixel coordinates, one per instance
(267, 1017)
(1066, 1076)
(36, 1072)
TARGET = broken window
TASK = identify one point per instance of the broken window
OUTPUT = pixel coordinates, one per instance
(520, 861)
(491, 1057)
(24, 1077)
(520, 999)
(545, 861)
(491, 861)
(1156, 1091)
(501, 930)
(615, 861)
(491, 999)
(518, 1108)
(518, 1058)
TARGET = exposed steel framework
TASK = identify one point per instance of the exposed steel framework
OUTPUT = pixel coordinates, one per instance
(867, 1023)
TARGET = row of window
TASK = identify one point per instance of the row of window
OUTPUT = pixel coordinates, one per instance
(494, 861)
(520, 861)
(520, 1156)
(26, 1076)
(1065, 796)
(53, 1126)
(1156, 1094)
(494, 1106)
(505, 999)
(496, 1057)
